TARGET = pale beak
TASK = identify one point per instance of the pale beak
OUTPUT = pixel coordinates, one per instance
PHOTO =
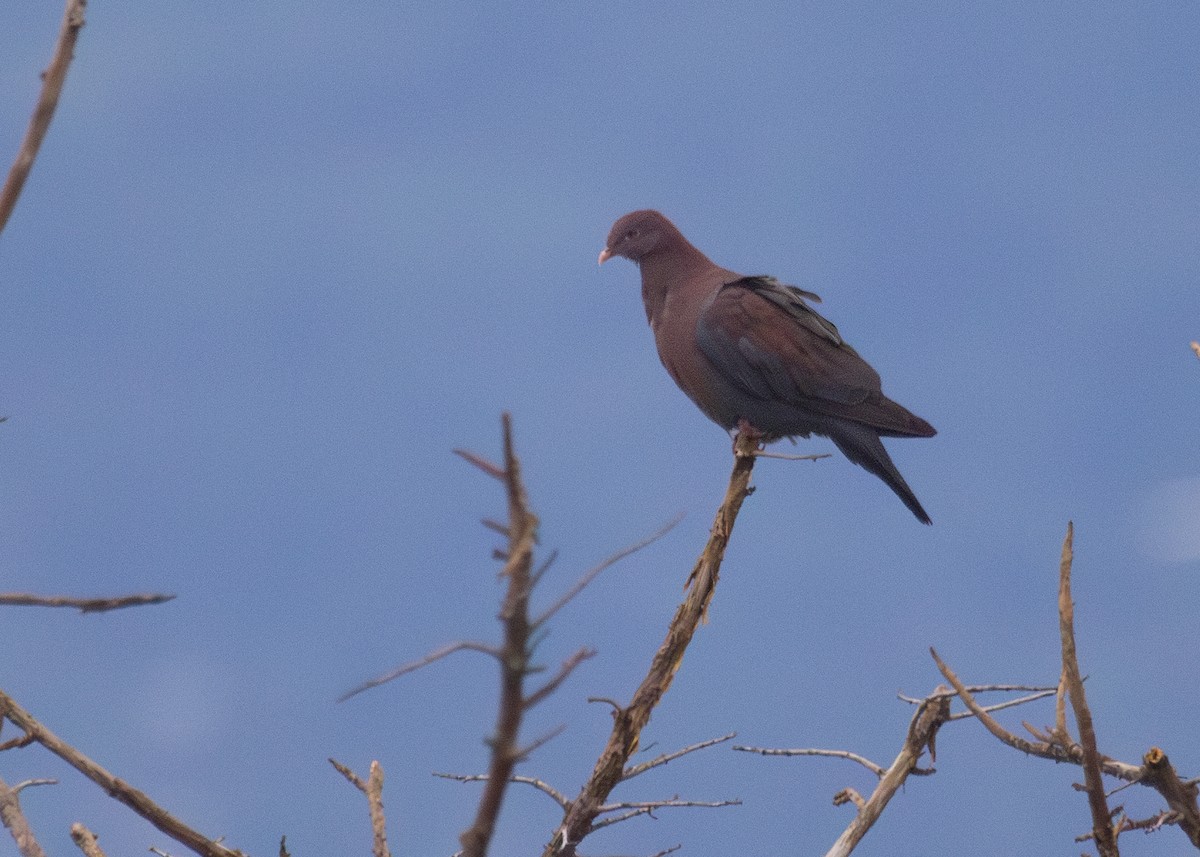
(605, 255)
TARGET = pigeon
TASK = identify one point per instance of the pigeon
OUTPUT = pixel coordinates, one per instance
(755, 356)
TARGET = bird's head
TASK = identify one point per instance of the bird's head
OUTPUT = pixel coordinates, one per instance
(637, 235)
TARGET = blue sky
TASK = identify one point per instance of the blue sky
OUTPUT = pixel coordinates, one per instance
(276, 260)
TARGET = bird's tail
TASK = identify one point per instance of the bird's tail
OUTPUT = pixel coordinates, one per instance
(862, 446)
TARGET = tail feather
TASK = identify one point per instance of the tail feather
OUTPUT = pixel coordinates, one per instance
(861, 445)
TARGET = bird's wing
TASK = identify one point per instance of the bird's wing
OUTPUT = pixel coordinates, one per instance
(766, 340)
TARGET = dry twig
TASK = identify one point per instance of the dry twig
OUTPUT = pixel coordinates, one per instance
(52, 83)
(83, 605)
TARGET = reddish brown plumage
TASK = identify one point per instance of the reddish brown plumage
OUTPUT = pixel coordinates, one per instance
(751, 348)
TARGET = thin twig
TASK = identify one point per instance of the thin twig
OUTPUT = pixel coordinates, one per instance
(877, 770)
(629, 721)
(558, 797)
(52, 83)
(637, 808)
(976, 688)
(641, 768)
(568, 666)
(83, 605)
(1106, 840)
(999, 706)
(136, 800)
(595, 570)
(435, 655)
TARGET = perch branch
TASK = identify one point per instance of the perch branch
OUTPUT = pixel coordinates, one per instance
(629, 721)
(53, 79)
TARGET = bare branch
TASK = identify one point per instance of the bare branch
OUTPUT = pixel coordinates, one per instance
(568, 666)
(629, 721)
(634, 770)
(347, 772)
(978, 688)
(435, 655)
(877, 770)
(1011, 703)
(1106, 840)
(41, 781)
(595, 570)
(515, 653)
(18, 826)
(52, 83)
(558, 797)
(492, 470)
(922, 732)
(1045, 749)
(636, 808)
(85, 840)
(83, 605)
(523, 753)
(1180, 796)
(136, 800)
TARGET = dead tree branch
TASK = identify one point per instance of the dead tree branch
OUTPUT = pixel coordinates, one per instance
(1102, 829)
(14, 819)
(1179, 795)
(373, 789)
(629, 721)
(53, 79)
(136, 800)
(83, 605)
(1057, 745)
(922, 733)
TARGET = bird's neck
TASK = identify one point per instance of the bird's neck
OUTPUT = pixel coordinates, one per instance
(666, 270)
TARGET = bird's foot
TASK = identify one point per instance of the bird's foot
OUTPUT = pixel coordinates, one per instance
(747, 436)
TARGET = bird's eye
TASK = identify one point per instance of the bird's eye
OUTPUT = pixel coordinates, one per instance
(632, 233)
